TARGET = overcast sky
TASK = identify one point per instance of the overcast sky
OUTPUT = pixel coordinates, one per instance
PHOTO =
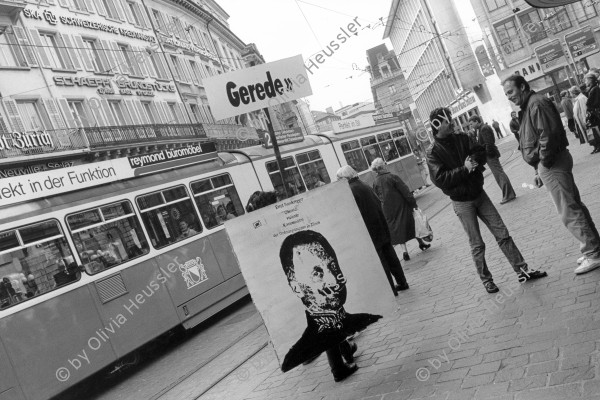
(284, 28)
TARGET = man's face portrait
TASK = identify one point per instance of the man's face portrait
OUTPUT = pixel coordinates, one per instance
(317, 278)
(514, 93)
(513, 114)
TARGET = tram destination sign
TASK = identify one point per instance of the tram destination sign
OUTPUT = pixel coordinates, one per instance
(285, 136)
(582, 43)
(262, 86)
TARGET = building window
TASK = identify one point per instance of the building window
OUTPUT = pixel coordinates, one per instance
(79, 5)
(178, 28)
(110, 9)
(158, 65)
(31, 114)
(196, 112)
(169, 216)
(313, 169)
(117, 110)
(510, 40)
(92, 47)
(584, 11)
(173, 113)
(149, 112)
(293, 180)
(558, 19)
(392, 89)
(36, 260)
(11, 54)
(217, 199)
(52, 49)
(494, 4)
(79, 114)
(157, 17)
(532, 25)
(107, 236)
(124, 49)
(177, 68)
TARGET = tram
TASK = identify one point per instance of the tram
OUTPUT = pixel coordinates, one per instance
(89, 275)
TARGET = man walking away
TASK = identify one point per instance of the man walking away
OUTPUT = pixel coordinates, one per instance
(496, 126)
(544, 147)
(567, 104)
(456, 167)
(514, 127)
(485, 137)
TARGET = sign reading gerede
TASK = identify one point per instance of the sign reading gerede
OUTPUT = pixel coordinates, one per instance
(582, 43)
(251, 89)
(551, 56)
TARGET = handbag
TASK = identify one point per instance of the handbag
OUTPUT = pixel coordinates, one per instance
(592, 118)
(422, 227)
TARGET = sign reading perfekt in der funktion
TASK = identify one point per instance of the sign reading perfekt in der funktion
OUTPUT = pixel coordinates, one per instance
(252, 89)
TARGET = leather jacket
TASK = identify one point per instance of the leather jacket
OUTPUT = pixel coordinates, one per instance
(446, 158)
(541, 133)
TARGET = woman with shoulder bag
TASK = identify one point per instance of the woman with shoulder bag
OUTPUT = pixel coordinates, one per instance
(593, 107)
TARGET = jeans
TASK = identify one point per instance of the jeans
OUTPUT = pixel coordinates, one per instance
(508, 193)
(560, 183)
(391, 264)
(482, 207)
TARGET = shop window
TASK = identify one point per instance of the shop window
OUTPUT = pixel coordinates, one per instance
(532, 25)
(354, 156)
(107, 236)
(217, 199)
(494, 4)
(32, 115)
(169, 216)
(34, 260)
(11, 54)
(293, 180)
(313, 169)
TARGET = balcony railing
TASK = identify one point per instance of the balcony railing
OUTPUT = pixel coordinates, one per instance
(32, 143)
(106, 136)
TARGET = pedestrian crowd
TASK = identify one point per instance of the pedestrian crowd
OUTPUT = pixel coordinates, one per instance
(456, 162)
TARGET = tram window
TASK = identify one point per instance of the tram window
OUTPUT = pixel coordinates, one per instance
(34, 260)
(401, 142)
(313, 169)
(293, 180)
(169, 216)
(115, 239)
(371, 153)
(387, 146)
(217, 199)
(354, 156)
(367, 141)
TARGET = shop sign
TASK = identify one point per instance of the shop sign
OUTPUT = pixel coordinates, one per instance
(352, 123)
(207, 150)
(551, 56)
(582, 43)
(53, 19)
(35, 168)
(25, 140)
(190, 47)
(285, 136)
(462, 104)
(125, 86)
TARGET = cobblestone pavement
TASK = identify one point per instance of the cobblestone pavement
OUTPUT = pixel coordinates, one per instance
(452, 340)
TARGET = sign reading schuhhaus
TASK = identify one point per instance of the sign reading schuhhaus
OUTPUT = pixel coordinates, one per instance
(251, 89)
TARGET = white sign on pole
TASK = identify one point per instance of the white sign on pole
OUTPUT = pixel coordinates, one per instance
(351, 124)
(252, 89)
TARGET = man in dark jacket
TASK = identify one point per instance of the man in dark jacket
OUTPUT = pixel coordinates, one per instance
(372, 214)
(567, 104)
(496, 126)
(544, 147)
(514, 127)
(456, 166)
(485, 137)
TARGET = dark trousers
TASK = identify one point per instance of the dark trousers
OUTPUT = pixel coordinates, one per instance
(391, 265)
(498, 133)
(334, 357)
(501, 178)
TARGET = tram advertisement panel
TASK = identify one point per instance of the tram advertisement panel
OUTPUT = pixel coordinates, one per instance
(312, 270)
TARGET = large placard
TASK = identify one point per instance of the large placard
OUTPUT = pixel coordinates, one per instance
(582, 43)
(312, 270)
(251, 89)
(551, 56)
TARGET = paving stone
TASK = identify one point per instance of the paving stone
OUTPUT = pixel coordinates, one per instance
(545, 355)
(580, 360)
(572, 375)
(542, 368)
(570, 391)
(472, 381)
(484, 368)
(509, 374)
(493, 390)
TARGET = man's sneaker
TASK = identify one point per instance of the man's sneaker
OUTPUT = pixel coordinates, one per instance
(588, 265)
(491, 287)
(580, 260)
(531, 275)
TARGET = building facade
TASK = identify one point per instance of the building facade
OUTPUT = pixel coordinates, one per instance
(115, 70)
(523, 37)
(389, 88)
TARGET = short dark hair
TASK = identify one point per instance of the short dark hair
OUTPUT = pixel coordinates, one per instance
(440, 113)
(306, 237)
(260, 199)
(475, 118)
(518, 80)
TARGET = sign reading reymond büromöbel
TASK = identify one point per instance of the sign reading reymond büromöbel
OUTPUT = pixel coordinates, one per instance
(261, 86)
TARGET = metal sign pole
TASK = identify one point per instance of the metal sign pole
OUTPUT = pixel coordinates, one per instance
(276, 150)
